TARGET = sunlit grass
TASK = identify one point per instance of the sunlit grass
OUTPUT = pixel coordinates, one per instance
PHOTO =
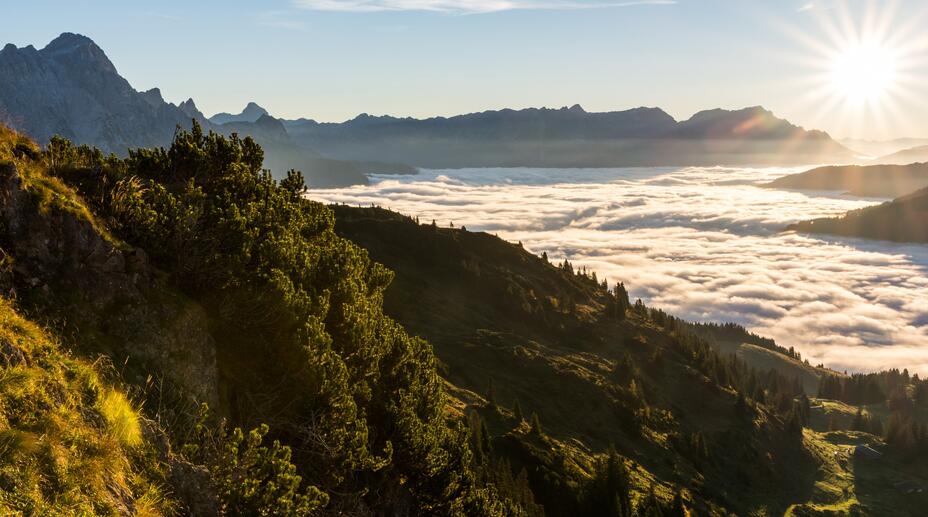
(70, 442)
(51, 193)
(121, 417)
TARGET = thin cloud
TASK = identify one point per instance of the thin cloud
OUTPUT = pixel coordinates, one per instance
(280, 20)
(463, 6)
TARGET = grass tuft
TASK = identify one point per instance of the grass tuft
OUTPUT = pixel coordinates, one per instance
(121, 418)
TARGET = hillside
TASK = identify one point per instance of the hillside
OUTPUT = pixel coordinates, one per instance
(296, 349)
(572, 137)
(871, 181)
(539, 390)
(524, 333)
(910, 155)
(904, 219)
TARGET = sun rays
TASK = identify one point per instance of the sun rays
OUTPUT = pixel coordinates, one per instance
(863, 65)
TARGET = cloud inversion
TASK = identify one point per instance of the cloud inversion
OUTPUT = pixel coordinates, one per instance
(701, 243)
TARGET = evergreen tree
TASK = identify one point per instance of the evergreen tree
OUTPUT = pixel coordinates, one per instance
(536, 425)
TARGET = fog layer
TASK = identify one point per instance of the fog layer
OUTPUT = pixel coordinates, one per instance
(702, 243)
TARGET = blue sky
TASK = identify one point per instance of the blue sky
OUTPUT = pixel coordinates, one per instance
(332, 59)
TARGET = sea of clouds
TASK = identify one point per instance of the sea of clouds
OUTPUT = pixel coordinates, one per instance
(705, 244)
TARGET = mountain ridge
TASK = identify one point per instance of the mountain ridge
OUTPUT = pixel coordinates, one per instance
(859, 180)
(572, 137)
(70, 88)
(904, 219)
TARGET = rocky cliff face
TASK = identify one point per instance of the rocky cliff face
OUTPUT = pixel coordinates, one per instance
(72, 89)
(103, 293)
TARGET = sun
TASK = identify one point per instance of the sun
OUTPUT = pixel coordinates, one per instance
(864, 72)
(857, 67)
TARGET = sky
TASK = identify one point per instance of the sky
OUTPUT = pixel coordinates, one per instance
(330, 60)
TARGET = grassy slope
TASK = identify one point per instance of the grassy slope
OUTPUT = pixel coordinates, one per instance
(860, 486)
(70, 443)
(461, 291)
(764, 359)
(481, 302)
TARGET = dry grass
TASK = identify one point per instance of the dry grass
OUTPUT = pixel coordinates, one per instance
(70, 444)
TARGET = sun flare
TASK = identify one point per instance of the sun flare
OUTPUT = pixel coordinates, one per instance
(862, 65)
(864, 72)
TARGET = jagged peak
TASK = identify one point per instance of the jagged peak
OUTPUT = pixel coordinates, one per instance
(154, 92)
(68, 41)
(251, 113)
(189, 105)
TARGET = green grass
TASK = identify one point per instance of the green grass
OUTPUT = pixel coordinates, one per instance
(764, 359)
(69, 444)
(51, 194)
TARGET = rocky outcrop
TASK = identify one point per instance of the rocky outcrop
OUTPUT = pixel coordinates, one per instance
(70, 88)
(103, 294)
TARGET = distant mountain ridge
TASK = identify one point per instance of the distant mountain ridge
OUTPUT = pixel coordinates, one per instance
(871, 180)
(572, 137)
(71, 88)
(251, 113)
(910, 155)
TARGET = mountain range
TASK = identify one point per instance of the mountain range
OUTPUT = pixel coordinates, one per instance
(573, 137)
(70, 88)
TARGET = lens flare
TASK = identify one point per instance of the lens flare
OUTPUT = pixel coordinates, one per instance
(860, 66)
(864, 72)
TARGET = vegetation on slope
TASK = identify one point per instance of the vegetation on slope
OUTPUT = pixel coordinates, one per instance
(519, 336)
(295, 315)
(902, 220)
(70, 441)
(559, 396)
(597, 370)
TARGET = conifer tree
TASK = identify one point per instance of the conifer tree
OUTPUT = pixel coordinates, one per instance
(536, 425)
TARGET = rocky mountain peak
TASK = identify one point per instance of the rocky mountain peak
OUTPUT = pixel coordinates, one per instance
(77, 49)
